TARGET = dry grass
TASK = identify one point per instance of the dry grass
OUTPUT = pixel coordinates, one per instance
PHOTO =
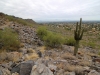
(21, 45)
(69, 68)
(91, 54)
(84, 63)
(68, 56)
(13, 56)
(78, 70)
(42, 48)
(61, 66)
(31, 56)
(30, 50)
(3, 56)
(72, 68)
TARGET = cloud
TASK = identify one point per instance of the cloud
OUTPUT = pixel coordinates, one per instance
(52, 9)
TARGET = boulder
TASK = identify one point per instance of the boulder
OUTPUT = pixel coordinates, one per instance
(53, 68)
(23, 68)
(42, 61)
(41, 69)
(93, 72)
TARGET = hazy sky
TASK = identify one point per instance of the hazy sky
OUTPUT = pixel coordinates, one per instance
(52, 10)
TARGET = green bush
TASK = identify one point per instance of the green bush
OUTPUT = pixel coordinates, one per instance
(50, 39)
(41, 32)
(69, 41)
(9, 39)
(53, 40)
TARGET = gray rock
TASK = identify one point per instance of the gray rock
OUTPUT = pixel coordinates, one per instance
(4, 71)
(72, 73)
(1, 72)
(40, 69)
(61, 71)
(16, 69)
(86, 69)
(23, 68)
(42, 61)
(93, 72)
(15, 73)
(53, 68)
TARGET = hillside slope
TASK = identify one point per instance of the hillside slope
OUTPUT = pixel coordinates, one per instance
(33, 58)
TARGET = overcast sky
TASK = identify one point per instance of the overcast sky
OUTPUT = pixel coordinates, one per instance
(52, 10)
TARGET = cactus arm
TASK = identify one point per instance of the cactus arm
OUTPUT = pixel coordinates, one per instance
(80, 23)
(81, 34)
(76, 26)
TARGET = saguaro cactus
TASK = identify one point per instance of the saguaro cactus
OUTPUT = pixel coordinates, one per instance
(78, 33)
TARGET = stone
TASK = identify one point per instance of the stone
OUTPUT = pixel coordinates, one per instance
(42, 61)
(61, 71)
(40, 69)
(93, 72)
(15, 73)
(86, 68)
(16, 69)
(72, 73)
(52, 67)
(23, 68)
(1, 72)
(7, 65)
(39, 53)
(4, 71)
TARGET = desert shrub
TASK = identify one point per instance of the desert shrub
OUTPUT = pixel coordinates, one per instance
(9, 39)
(69, 41)
(53, 40)
(50, 39)
(41, 32)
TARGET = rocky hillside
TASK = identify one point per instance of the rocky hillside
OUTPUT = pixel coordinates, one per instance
(33, 58)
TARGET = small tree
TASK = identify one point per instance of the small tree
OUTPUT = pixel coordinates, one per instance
(78, 33)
